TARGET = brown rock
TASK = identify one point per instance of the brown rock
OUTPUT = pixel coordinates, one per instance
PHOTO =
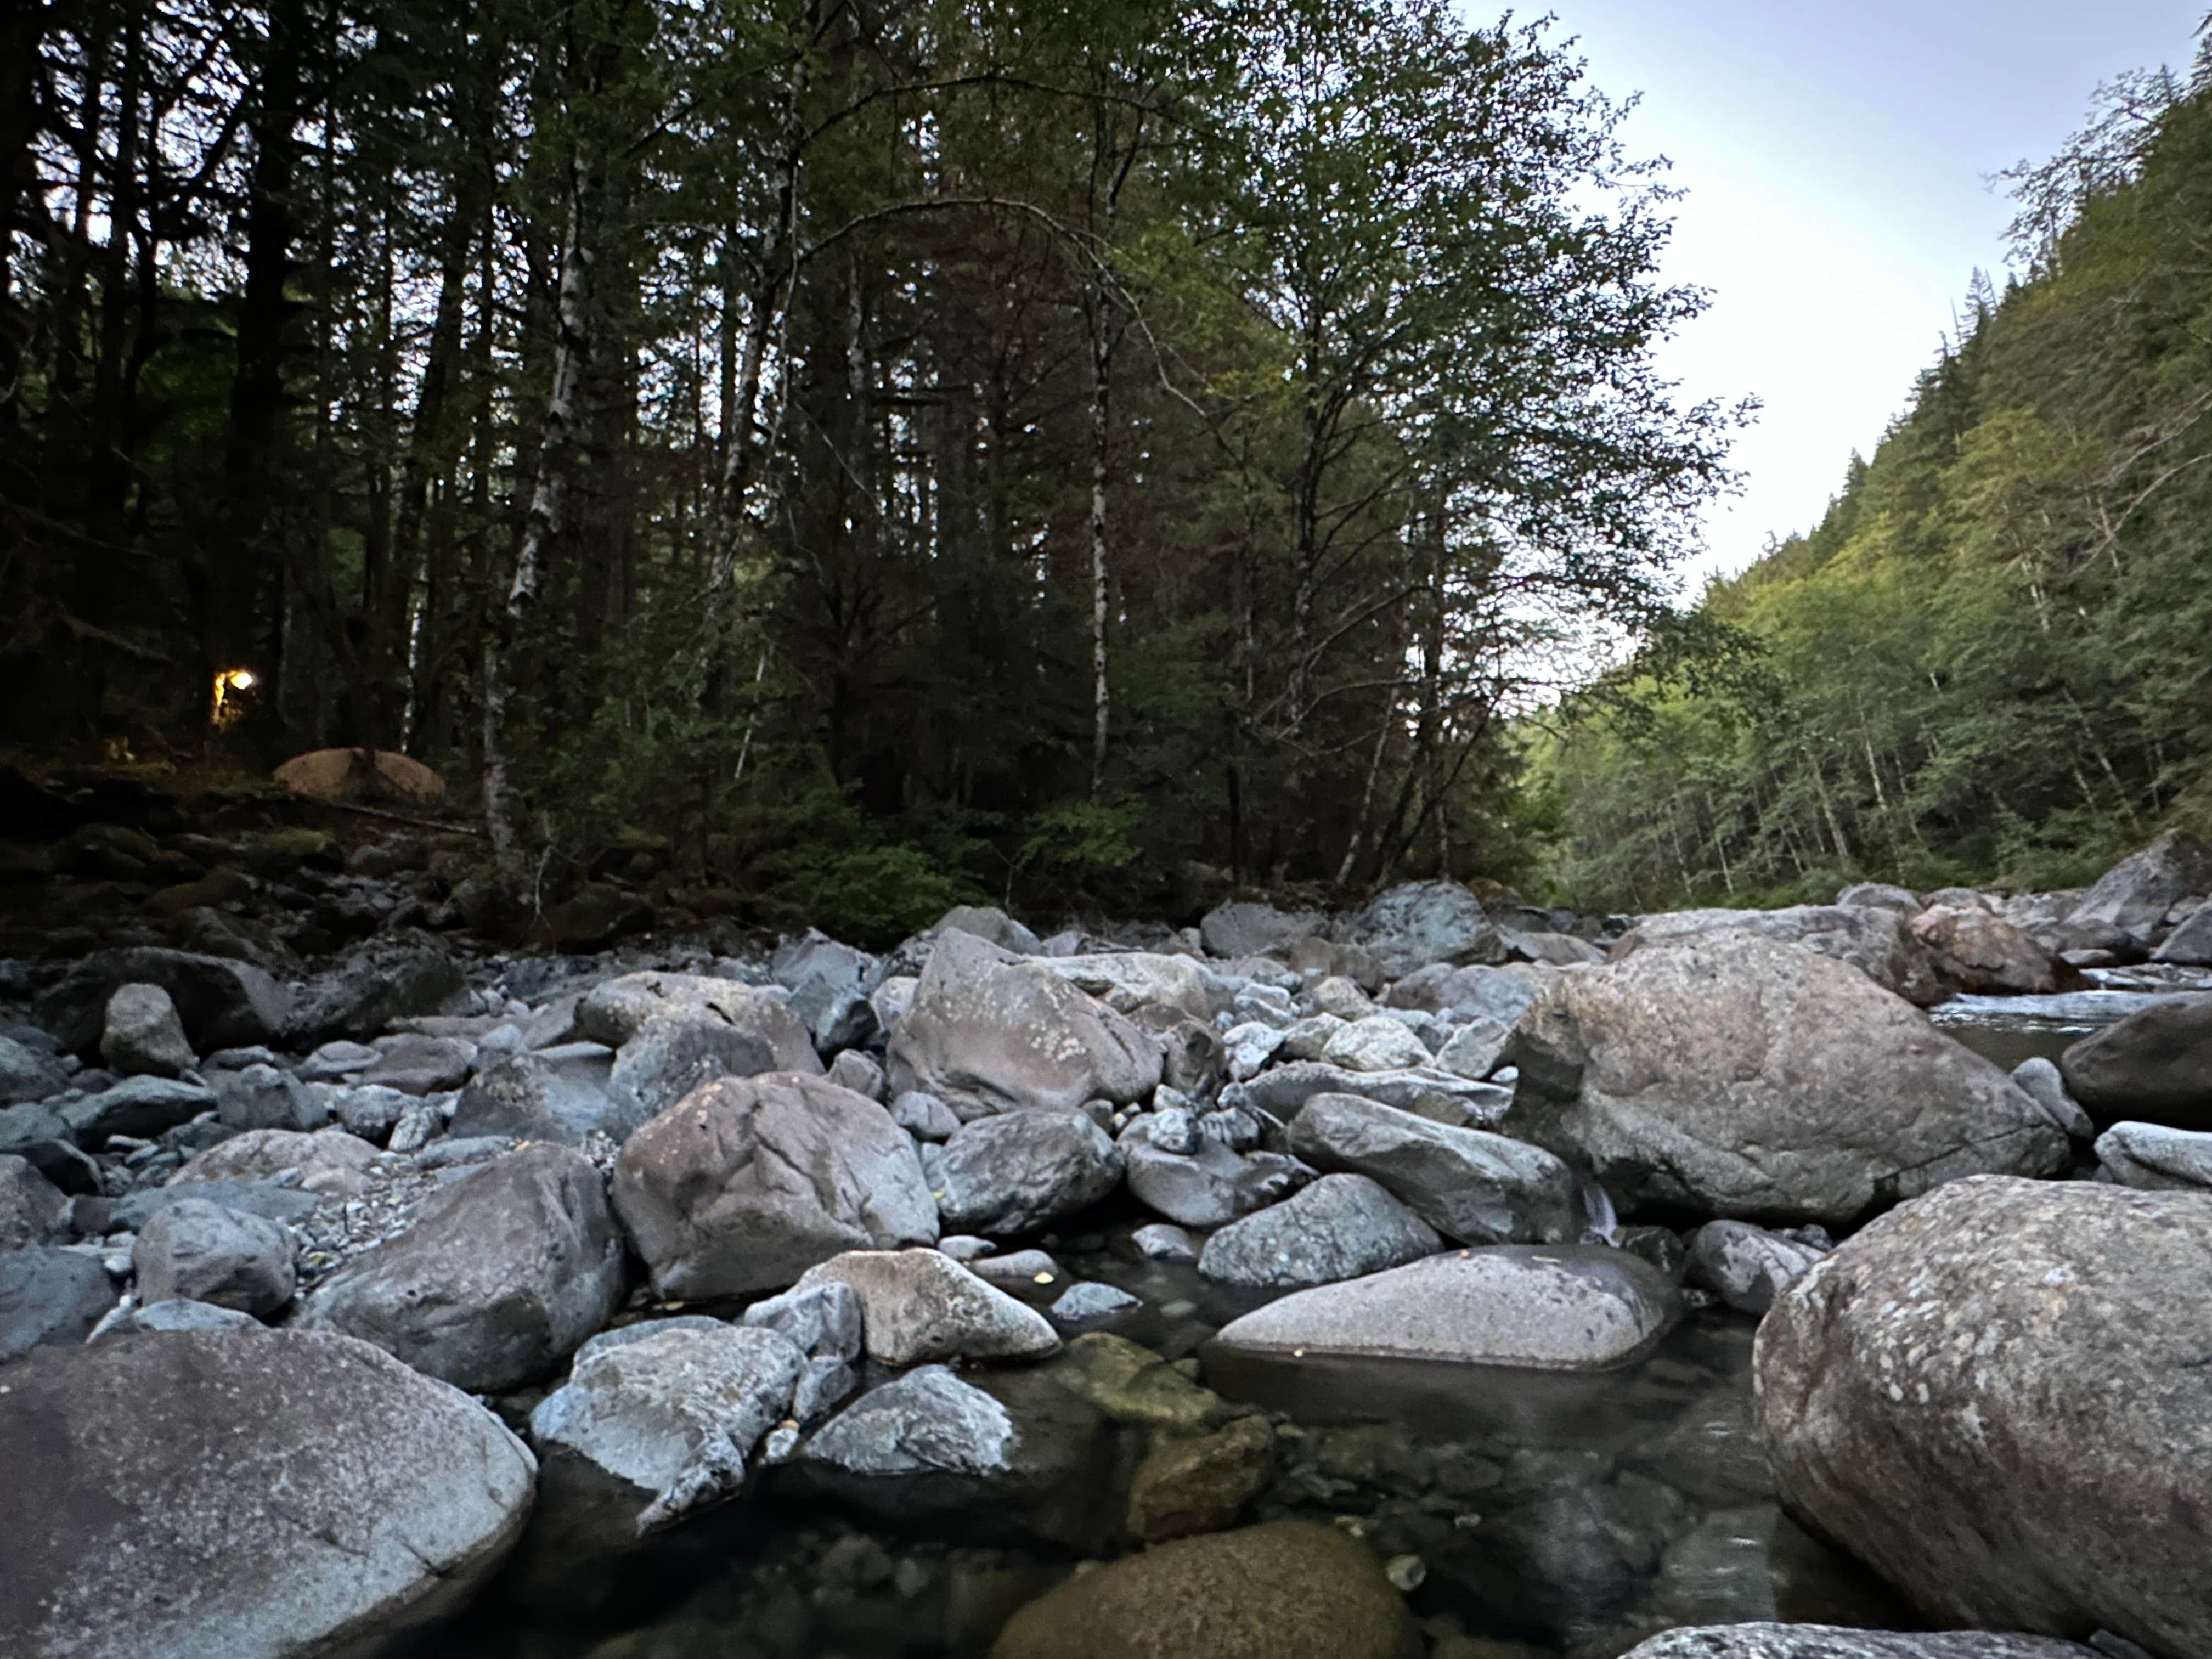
(1186, 1487)
(1986, 953)
(349, 775)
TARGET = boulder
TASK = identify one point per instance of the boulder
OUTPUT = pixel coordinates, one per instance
(380, 982)
(1018, 1171)
(745, 1185)
(657, 1421)
(1881, 944)
(672, 1054)
(1089, 1302)
(322, 1159)
(617, 1011)
(142, 1107)
(563, 1095)
(32, 1208)
(1767, 1641)
(830, 984)
(1342, 1226)
(2152, 1158)
(1242, 929)
(1740, 1077)
(262, 1097)
(497, 1280)
(1986, 953)
(990, 1032)
(1539, 1307)
(2040, 1080)
(2155, 1067)
(1207, 1186)
(1289, 1589)
(987, 922)
(823, 1321)
(195, 1251)
(1996, 1397)
(1746, 1267)
(221, 1003)
(1475, 1050)
(1127, 981)
(1501, 994)
(2135, 893)
(174, 1315)
(858, 1071)
(1200, 1483)
(265, 1198)
(1377, 1043)
(1882, 895)
(47, 1296)
(917, 1306)
(278, 1494)
(415, 1064)
(1423, 922)
(354, 774)
(142, 1033)
(26, 1074)
(1550, 950)
(2189, 945)
(1470, 1186)
(1283, 1091)
(925, 1116)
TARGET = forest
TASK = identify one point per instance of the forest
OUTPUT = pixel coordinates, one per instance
(1991, 661)
(880, 452)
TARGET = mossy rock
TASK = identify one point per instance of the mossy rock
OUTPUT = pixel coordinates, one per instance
(214, 890)
(1130, 1383)
(276, 850)
(1200, 1483)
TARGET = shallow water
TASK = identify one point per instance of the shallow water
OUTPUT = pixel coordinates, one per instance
(2011, 1030)
(1574, 1514)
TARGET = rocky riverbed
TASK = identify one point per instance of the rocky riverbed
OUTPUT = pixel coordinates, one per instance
(1442, 1277)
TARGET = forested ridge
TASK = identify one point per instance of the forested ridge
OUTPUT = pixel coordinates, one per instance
(1991, 661)
(880, 452)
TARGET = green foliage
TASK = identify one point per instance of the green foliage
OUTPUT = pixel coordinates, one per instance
(1988, 662)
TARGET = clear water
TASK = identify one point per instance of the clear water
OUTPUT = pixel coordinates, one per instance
(1550, 1514)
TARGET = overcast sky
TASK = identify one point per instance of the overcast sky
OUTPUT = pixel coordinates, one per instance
(1837, 158)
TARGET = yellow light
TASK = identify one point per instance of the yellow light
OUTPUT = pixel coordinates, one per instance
(239, 679)
(230, 684)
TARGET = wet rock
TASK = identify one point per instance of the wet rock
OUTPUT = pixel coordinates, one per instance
(1572, 1552)
(49, 1296)
(1288, 1590)
(1746, 1267)
(564, 1095)
(381, 982)
(2151, 1158)
(657, 1421)
(1161, 1241)
(1986, 953)
(673, 1054)
(142, 1107)
(1200, 1484)
(417, 1065)
(918, 1306)
(28, 1074)
(1090, 1302)
(1017, 1172)
(1994, 1396)
(2153, 1067)
(928, 1422)
(743, 1186)
(2039, 1079)
(267, 1097)
(1713, 1076)
(991, 1032)
(142, 1033)
(1476, 1187)
(1545, 1307)
(2135, 893)
(32, 1208)
(1342, 1226)
(498, 1278)
(1209, 1187)
(1019, 1270)
(203, 1252)
(276, 1494)
(1879, 944)
(222, 1004)
(614, 1012)
(1773, 1641)
(924, 1116)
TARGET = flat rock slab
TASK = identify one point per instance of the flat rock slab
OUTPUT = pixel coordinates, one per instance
(1532, 1306)
(920, 1305)
(275, 1494)
(1833, 1642)
(1342, 1227)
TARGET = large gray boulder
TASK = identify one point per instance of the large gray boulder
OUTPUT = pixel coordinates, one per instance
(141, 1106)
(27, 1074)
(988, 1032)
(49, 1296)
(1740, 1077)
(744, 1185)
(329, 1160)
(2189, 945)
(1282, 1092)
(195, 1251)
(1747, 1267)
(1996, 1396)
(1342, 1226)
(987, 922)
(1880, 943)
(32, 1207)
(617, 1011)
(1767, 1641)
(142, 1033)
(563, 1095)
(1983, 953)
(264, 1096)
(277, 1494)
(1240, 928)
(919, 1305)
(2135, 893)
(496, 1281)
(223, 1004)
(1208, 1186)
(2154, 1158)
(1129, 981)
(657, 1421)
(671, 1054)
(1422, 922)
(1474, 1187)
(2153, 1067)
(1017, 1171)
(1538, 1307)
(381, 982)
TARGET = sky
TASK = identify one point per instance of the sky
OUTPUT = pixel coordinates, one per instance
(1838, 160)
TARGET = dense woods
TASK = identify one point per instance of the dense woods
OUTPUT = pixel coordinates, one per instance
(888, 450)
(1992, 659)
